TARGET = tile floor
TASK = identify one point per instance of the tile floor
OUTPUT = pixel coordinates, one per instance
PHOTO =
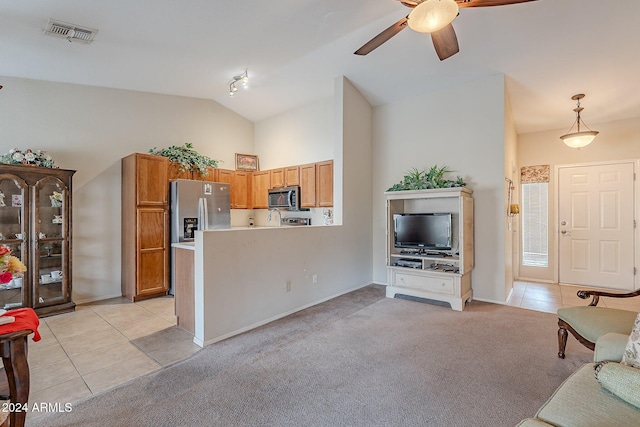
(108, 343)
(102, 345)
(550, 297)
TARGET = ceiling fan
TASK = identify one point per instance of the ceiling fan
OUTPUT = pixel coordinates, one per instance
(434, 17)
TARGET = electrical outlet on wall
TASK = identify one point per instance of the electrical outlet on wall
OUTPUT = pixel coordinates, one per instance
(288, 288)
(314, 278)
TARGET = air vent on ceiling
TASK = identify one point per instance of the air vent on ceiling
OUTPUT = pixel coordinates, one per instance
(70, 32)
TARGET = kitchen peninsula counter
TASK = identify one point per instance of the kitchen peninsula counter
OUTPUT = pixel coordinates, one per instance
(246, 277)
(183, 271)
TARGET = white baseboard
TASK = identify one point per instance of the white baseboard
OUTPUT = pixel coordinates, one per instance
(490, 301)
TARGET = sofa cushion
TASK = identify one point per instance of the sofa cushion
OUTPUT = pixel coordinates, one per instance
(621, 380)
(610, 347)
(581, 401)
(592, 322)
(631, 355)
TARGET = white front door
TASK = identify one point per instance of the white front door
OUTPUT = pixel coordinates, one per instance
(596, 225)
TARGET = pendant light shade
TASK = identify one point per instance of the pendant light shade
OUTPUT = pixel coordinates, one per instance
(432, 15)
(578, 139)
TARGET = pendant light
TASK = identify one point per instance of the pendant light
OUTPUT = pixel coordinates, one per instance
(579, 138)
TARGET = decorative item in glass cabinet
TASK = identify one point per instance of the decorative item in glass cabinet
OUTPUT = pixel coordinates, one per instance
(9, 265)
(56, 199)
(2, 203)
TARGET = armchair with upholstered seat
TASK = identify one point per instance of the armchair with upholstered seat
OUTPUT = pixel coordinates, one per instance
(589, 323)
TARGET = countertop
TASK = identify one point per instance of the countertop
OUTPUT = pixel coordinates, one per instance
(185, 245)
(191, 245)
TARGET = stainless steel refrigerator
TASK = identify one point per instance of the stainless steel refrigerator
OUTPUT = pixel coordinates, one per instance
(198, 205)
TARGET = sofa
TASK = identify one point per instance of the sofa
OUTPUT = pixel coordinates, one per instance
(610, 399)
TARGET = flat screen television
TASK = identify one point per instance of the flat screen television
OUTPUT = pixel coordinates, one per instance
(424, 231)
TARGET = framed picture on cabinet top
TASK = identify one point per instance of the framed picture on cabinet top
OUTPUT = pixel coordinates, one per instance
(247, 162)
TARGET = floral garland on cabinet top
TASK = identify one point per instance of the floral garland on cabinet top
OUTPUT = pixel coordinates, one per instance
(16, 156)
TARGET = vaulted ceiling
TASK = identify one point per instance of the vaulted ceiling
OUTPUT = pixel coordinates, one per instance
(549, 50)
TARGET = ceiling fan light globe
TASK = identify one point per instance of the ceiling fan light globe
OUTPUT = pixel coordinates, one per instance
(432, 15)
(579, 139)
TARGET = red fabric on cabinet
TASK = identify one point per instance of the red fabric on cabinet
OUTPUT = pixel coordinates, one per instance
(26, 319)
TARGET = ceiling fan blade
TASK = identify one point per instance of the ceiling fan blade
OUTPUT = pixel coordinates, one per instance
(445, 42)
(486, 3)
(410, 3)
(378, 40)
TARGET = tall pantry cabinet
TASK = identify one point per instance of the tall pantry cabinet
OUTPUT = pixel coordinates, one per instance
(145, 226)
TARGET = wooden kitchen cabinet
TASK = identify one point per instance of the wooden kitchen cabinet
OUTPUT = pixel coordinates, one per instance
(242, 191)
(285, 177)
(211, 176)
(145, 226)
(316, 184)
(35, 224)
(324, 184)
(291, 176)
(277, 178)
(225, 175)
(175, 172)
(261, 182)
(240, 184)
(184, 261)
(308, 185)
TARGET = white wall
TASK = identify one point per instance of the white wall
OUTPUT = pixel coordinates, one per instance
(90, 129)
(462, 128)
(242, 274)
(510, 171)
(295, 137)
(618, 140)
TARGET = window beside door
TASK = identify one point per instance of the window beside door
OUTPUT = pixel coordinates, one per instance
(535, 224)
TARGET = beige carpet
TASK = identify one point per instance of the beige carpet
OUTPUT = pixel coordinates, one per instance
(357, 360)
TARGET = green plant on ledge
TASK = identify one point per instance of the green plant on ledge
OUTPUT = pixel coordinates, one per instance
(187, 157)
(422, 180)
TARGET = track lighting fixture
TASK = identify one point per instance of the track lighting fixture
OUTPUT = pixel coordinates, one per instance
(242, 79)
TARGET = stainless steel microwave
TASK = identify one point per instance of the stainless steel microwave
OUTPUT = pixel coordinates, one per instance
(285, 198)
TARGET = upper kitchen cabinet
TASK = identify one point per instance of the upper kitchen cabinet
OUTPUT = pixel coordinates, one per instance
(35, 223)
(285, 177)
(149, 178)
(176, 171)
(261, 183)
(324, 184)
(145, 226)
(226, 175)
(316, 184)
(211, 176)
(240, 184)
(276, 178)
(241, 194)
(308, 186)
(291, 176)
